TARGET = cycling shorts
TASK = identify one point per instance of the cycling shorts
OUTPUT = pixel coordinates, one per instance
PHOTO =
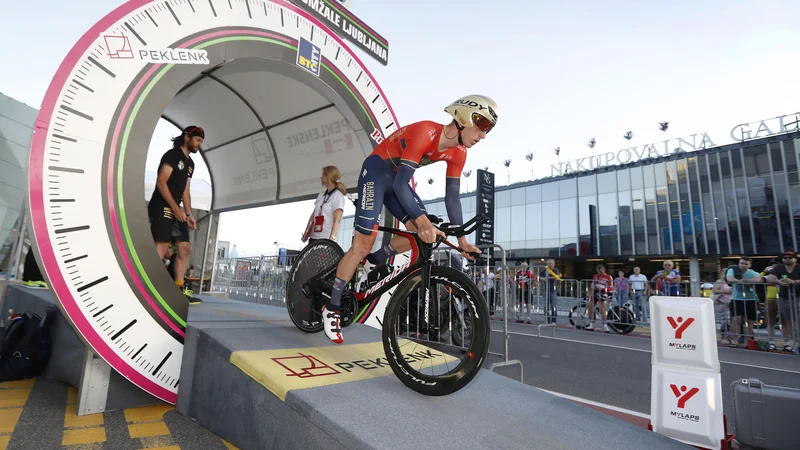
(376, 190)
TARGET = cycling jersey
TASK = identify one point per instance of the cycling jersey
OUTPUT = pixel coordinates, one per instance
(385, 175)
(417, 145)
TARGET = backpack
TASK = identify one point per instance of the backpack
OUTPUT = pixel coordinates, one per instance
(26, 347)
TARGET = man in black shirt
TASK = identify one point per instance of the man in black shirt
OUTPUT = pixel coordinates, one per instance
(168, 223)
(787, 276)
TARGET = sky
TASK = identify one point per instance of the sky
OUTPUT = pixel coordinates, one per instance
(562, 73)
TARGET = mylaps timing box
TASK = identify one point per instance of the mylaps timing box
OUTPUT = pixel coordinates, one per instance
(686, 387)
(682, 336)
(687, 406)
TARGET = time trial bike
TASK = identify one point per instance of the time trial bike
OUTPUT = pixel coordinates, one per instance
(435, 324)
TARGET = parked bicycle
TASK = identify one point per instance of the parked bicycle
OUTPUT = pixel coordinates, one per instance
(619, 318)
(437, 308)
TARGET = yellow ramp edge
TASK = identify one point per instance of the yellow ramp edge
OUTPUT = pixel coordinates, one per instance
(283, 370)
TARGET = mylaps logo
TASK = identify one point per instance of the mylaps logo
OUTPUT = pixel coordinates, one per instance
(680, 325)
(683, 395)
(309, 56)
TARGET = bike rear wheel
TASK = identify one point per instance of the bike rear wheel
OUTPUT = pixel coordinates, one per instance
(621, 320)
(304, 300)
(421, 364)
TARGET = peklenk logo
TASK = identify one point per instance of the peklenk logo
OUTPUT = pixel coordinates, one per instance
(119, 47)
(680, 325)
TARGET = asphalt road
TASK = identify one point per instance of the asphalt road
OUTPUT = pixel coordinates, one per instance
(615, 370)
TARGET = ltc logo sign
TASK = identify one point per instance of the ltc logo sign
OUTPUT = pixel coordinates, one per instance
(309, 56)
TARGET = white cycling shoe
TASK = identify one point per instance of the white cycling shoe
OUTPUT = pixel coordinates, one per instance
(332, 325)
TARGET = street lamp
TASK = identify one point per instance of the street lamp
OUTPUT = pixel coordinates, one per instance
(529, 157)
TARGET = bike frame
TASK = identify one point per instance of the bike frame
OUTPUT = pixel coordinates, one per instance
(372, 300)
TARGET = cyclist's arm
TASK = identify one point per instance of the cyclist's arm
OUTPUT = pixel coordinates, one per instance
(404, 193)
(413, 141)
(452, 185)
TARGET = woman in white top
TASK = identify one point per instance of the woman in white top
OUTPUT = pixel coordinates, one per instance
(328, 208)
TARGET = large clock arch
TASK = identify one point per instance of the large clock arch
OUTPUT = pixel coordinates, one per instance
(279, 95)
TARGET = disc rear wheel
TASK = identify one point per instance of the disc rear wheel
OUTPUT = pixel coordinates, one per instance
(312, 277)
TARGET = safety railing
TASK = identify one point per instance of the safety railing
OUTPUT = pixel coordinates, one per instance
(534, 297)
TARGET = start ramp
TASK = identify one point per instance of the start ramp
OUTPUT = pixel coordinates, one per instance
(250, 376)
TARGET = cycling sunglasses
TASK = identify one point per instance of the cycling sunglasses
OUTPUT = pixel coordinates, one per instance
(482, 123)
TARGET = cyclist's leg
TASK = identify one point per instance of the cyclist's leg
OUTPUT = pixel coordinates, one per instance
(372, 183)
(400, 244)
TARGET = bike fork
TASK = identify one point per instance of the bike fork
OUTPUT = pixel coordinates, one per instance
(426, 286)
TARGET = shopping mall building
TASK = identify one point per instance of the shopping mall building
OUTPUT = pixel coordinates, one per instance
(700, 207)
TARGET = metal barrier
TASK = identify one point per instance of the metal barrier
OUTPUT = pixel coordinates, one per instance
(546, 302)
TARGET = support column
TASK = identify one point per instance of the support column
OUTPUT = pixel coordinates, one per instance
(205, 251)
(694, 275)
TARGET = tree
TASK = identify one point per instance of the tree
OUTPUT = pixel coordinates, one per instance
(507, 163)
(466, 174)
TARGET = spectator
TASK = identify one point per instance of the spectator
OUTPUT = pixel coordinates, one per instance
(744, 300)
(601, 289)
(328, 208)
(639, 290)
(721, 296)
(621, 288)
(670, 279)
(787, 275)
(550, 278)
(168, 222)
(523, 285)
(771, 303)
(487, 282)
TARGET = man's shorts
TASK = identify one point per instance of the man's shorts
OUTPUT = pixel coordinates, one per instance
(165, 228)
(376, 190)
(746, 308)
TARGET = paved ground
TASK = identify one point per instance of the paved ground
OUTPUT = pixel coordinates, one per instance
(39, 414)
(615, 370)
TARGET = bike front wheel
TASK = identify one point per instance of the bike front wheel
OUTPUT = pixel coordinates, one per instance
(443, 365)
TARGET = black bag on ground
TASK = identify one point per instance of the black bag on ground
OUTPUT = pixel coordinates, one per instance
(26, 347)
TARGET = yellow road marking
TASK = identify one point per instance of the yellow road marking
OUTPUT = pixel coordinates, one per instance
(4, 440)
(13, 397)
(147, 413)
(73, 420)
(72, 396)
(159, 442)
(138, 430)
(287, 369)
(8, 419)
(18, 384)
(83, 436)
(229, 445)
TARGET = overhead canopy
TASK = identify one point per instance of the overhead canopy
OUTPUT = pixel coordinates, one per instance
(268, 135)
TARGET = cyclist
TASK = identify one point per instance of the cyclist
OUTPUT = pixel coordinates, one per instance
(384, 181)
(601, 289)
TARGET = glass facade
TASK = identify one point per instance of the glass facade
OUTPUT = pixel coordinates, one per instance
(16, 129)
(741, 198)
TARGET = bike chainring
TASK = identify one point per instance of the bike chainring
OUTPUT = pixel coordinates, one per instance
(349, 308)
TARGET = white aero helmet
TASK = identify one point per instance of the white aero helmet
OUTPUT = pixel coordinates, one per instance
(472, 110)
